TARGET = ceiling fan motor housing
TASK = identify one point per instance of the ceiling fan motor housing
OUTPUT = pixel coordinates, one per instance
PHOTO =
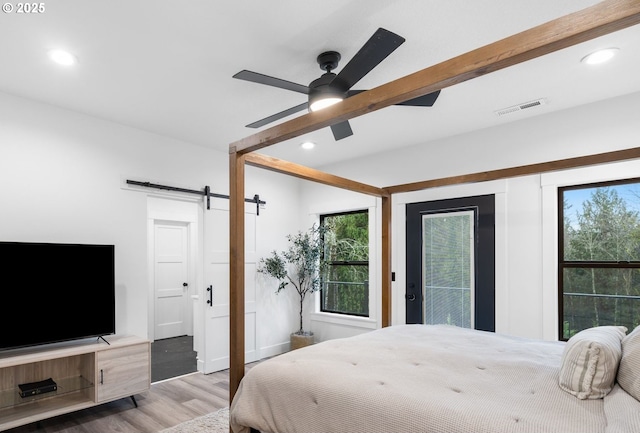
(322, 88)
(327, 86)
(328, 60)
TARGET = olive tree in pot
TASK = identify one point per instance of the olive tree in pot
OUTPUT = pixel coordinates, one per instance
(301, 266)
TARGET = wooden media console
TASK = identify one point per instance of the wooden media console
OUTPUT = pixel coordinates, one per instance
(86, 374)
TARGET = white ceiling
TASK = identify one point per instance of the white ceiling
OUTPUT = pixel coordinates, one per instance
(166, 66)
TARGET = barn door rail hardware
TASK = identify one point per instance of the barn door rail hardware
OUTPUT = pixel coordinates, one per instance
(205, 192)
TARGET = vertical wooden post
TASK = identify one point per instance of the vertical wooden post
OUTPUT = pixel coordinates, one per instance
(236, 272)
(386, 260)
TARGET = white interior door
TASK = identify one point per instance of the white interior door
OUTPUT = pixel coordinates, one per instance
(216, 278)
(171, 278)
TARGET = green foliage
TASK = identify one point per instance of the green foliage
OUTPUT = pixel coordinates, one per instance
(347, 237)
(275, 266)
(299, 265)
(605, 230)
(567, 332)
(346, 251)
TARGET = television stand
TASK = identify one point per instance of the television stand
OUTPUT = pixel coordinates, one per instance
(86, 374)
(103, 339)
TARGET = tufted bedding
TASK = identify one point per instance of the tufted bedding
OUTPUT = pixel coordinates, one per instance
(418, 378)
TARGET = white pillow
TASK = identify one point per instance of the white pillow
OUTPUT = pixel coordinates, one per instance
(590, 361)
(629, 371)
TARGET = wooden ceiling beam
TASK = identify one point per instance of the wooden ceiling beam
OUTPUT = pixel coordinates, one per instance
(303, 172)
(523, 170)
(603, 18)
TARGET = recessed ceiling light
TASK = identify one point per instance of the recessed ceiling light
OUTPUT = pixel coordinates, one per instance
(62, 57)
(599, 56)
(308, 145)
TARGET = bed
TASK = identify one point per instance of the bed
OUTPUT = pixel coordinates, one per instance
(440, 378)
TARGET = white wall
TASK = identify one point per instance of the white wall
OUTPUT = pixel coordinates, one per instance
(62, 179)
(277, 314)
(526, 215)
(594, 128)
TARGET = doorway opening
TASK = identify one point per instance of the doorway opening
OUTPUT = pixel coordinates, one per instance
(172, 233)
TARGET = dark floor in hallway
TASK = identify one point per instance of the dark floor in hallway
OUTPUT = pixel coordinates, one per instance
(172, 357)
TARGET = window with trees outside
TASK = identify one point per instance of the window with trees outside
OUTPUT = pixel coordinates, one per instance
(599, 256)
(345, 279)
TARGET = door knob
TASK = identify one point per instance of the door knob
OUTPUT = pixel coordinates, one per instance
(185, 284)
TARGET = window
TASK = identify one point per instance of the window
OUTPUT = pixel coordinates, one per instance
(447, 268)
(599, 256)
(345, 280)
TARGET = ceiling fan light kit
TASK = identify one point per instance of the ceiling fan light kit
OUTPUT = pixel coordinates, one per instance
(330, 88)
(324, 101)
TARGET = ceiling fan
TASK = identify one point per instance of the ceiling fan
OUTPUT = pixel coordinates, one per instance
(331, 88)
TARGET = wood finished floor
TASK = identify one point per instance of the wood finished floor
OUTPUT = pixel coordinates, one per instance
(166, 404)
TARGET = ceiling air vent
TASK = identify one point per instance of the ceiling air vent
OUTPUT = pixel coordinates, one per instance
(520, 107)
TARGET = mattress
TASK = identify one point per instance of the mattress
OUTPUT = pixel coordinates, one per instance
(423, 378)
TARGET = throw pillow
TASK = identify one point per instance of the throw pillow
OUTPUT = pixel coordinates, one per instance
(590, 361)
(629, 371)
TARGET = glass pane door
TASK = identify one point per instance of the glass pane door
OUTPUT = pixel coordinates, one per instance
(447, 268)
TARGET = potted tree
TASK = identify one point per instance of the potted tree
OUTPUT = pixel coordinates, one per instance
(299, 265)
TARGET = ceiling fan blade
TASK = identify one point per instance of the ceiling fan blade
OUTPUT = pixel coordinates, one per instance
(278, 116)
(351, 93)
(422, 101)
(255, 77)
(341, 130)
(376, 49)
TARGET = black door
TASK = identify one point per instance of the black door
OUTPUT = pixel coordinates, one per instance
(451, 262)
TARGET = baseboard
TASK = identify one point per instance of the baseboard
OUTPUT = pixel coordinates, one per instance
(274, 350)
(265, 352)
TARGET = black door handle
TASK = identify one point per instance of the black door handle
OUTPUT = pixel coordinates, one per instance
(210, 300)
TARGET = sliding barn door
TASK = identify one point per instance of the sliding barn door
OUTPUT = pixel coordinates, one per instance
(216, 293)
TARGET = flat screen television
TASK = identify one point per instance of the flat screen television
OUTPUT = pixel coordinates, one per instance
(53, 292)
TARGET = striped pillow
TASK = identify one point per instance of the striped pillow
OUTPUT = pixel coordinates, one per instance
(629, 371)
(590, 361)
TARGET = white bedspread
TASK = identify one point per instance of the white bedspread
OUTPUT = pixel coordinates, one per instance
(417, 378)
